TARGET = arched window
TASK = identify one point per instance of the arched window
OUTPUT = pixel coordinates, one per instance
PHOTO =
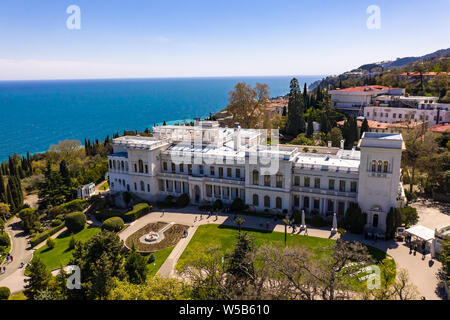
(135, 167)
(141, 166)
(255, 200)
(142, 186)
(148, 188)
(385, 167)
(278, 203)
(279, 180)
(379, 165)
(374, 166)
(255, 177)
(123, 165)
(267, 202)
(110, 164)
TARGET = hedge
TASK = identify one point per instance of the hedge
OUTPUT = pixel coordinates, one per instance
(44, 235)
(4, 293)
(75, 221)
(4, 240)
(71, 206)
(114, 224)
(138, 211)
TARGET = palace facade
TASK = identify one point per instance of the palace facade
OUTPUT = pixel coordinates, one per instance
(208, 162)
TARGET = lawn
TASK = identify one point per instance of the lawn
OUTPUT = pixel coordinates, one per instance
(225, 238)
(19, 296)
(60, 254)
(104, 186)
(160, 257)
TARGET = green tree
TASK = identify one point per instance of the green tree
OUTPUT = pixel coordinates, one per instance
(239, 222)
(295, 123)
(39, 278)
(310, 127)
(335, 136)
(136, 267)
(364, 127)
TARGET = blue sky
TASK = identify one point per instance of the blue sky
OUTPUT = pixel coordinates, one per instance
(160, 38)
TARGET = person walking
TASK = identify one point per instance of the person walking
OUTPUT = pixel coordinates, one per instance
(12, 258)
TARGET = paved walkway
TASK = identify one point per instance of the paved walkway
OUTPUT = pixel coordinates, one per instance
(21, 250)
(423, 273)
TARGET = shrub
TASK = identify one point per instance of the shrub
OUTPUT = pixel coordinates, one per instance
(29, 219)
(183, 200)
(205, 207)
(317, 221)
(169, 200)
(218, 204)
(4, 293)
(408, 216)
(75, 221)
(72, 243)
(151, 258)
(114, 224)
(36, 239)
(354, 219)
(126, 196)
(4, 239)
(51, 243)
(237, 205)
(60, 217)
(56, 222)
(411, 196)
(297, 217)
(138, 211)
(71, 206)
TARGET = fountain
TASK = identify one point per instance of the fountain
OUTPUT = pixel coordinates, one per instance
(152, 237)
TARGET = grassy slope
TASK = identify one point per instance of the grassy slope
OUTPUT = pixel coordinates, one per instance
(160, 257)
(60, 254)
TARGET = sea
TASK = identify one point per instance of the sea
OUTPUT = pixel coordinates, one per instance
(38, 114)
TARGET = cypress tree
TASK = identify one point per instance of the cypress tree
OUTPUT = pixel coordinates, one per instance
(9, 199)
(2, 189)
(305, 96)
(364, 127)
(310, 128)
(64, 171)
(295, 117)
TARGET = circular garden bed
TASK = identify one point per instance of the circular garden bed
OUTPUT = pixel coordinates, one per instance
(171, 237)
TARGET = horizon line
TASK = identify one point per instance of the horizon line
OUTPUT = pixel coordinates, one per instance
(174, 77)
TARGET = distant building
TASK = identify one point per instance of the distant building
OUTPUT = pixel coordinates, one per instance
(353, 100)
(86, 191)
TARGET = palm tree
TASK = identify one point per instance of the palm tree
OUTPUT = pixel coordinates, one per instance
(239, 222)
(286, 222)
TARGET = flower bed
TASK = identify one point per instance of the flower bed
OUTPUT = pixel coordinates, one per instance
(171, 237)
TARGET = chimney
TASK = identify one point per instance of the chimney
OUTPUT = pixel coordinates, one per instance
(329, 144)
(342, 144)
(237, 137)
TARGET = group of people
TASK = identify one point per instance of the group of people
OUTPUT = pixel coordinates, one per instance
(9, 259)
(414, 246)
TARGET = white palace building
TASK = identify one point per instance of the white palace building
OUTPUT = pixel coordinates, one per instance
(208, 162)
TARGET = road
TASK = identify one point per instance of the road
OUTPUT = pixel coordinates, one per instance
(21, 252)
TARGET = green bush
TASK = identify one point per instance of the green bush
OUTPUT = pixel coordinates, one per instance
(411, 196)
(71, 206)
(205, 207)
(237, 205)
(36, 239)
(138, 211)
(169, 200)
(354, 219)
(60, 217)
(51, 243)
(56, 222)
(183, 200)
(29, 219)
(72, 243)
(114, 224)
(408, 216)
(317, 221)
(4, 239)
(218, 204)
(297, 216)
(75, 221)
(4, 293)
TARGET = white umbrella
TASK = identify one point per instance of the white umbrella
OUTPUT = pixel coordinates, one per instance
(334, 228)
(303, 226)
